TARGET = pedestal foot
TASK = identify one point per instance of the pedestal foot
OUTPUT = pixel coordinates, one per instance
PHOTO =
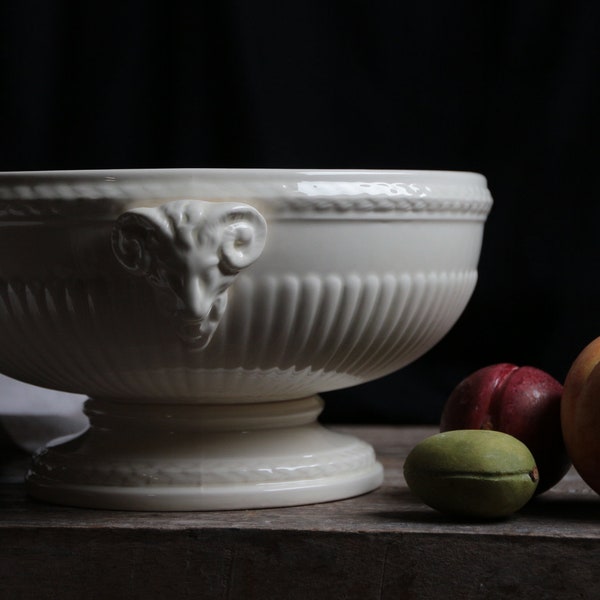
(181, 457)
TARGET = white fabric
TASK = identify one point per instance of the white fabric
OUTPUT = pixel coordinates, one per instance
(33, 416)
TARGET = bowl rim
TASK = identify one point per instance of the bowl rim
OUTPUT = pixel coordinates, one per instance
(437, 175)
(287, 193)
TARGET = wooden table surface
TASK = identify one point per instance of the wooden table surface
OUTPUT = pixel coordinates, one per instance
(385, 544)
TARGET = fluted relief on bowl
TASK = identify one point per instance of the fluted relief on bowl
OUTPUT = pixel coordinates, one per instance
(190, 251)
(280, 337)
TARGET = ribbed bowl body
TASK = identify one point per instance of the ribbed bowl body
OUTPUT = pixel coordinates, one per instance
(361, 273)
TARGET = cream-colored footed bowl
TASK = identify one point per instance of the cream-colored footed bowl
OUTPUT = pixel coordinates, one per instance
(202, 311)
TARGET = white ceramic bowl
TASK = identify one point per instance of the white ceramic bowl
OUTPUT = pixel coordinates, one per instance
(203, 310)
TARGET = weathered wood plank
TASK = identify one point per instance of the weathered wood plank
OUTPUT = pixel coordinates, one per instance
(382, 545)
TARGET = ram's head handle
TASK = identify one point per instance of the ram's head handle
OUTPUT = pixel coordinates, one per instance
(191, 252)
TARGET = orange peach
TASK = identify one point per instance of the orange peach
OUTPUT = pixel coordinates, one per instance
(580, 414)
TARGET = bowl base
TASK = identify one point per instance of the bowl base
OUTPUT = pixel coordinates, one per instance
(178, 457)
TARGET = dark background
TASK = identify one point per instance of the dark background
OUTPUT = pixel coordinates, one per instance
(509, 89)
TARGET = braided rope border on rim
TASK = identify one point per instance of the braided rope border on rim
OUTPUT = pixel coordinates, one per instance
(105, 197)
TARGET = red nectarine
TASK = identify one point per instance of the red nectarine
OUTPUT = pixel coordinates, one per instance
(521, 401)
